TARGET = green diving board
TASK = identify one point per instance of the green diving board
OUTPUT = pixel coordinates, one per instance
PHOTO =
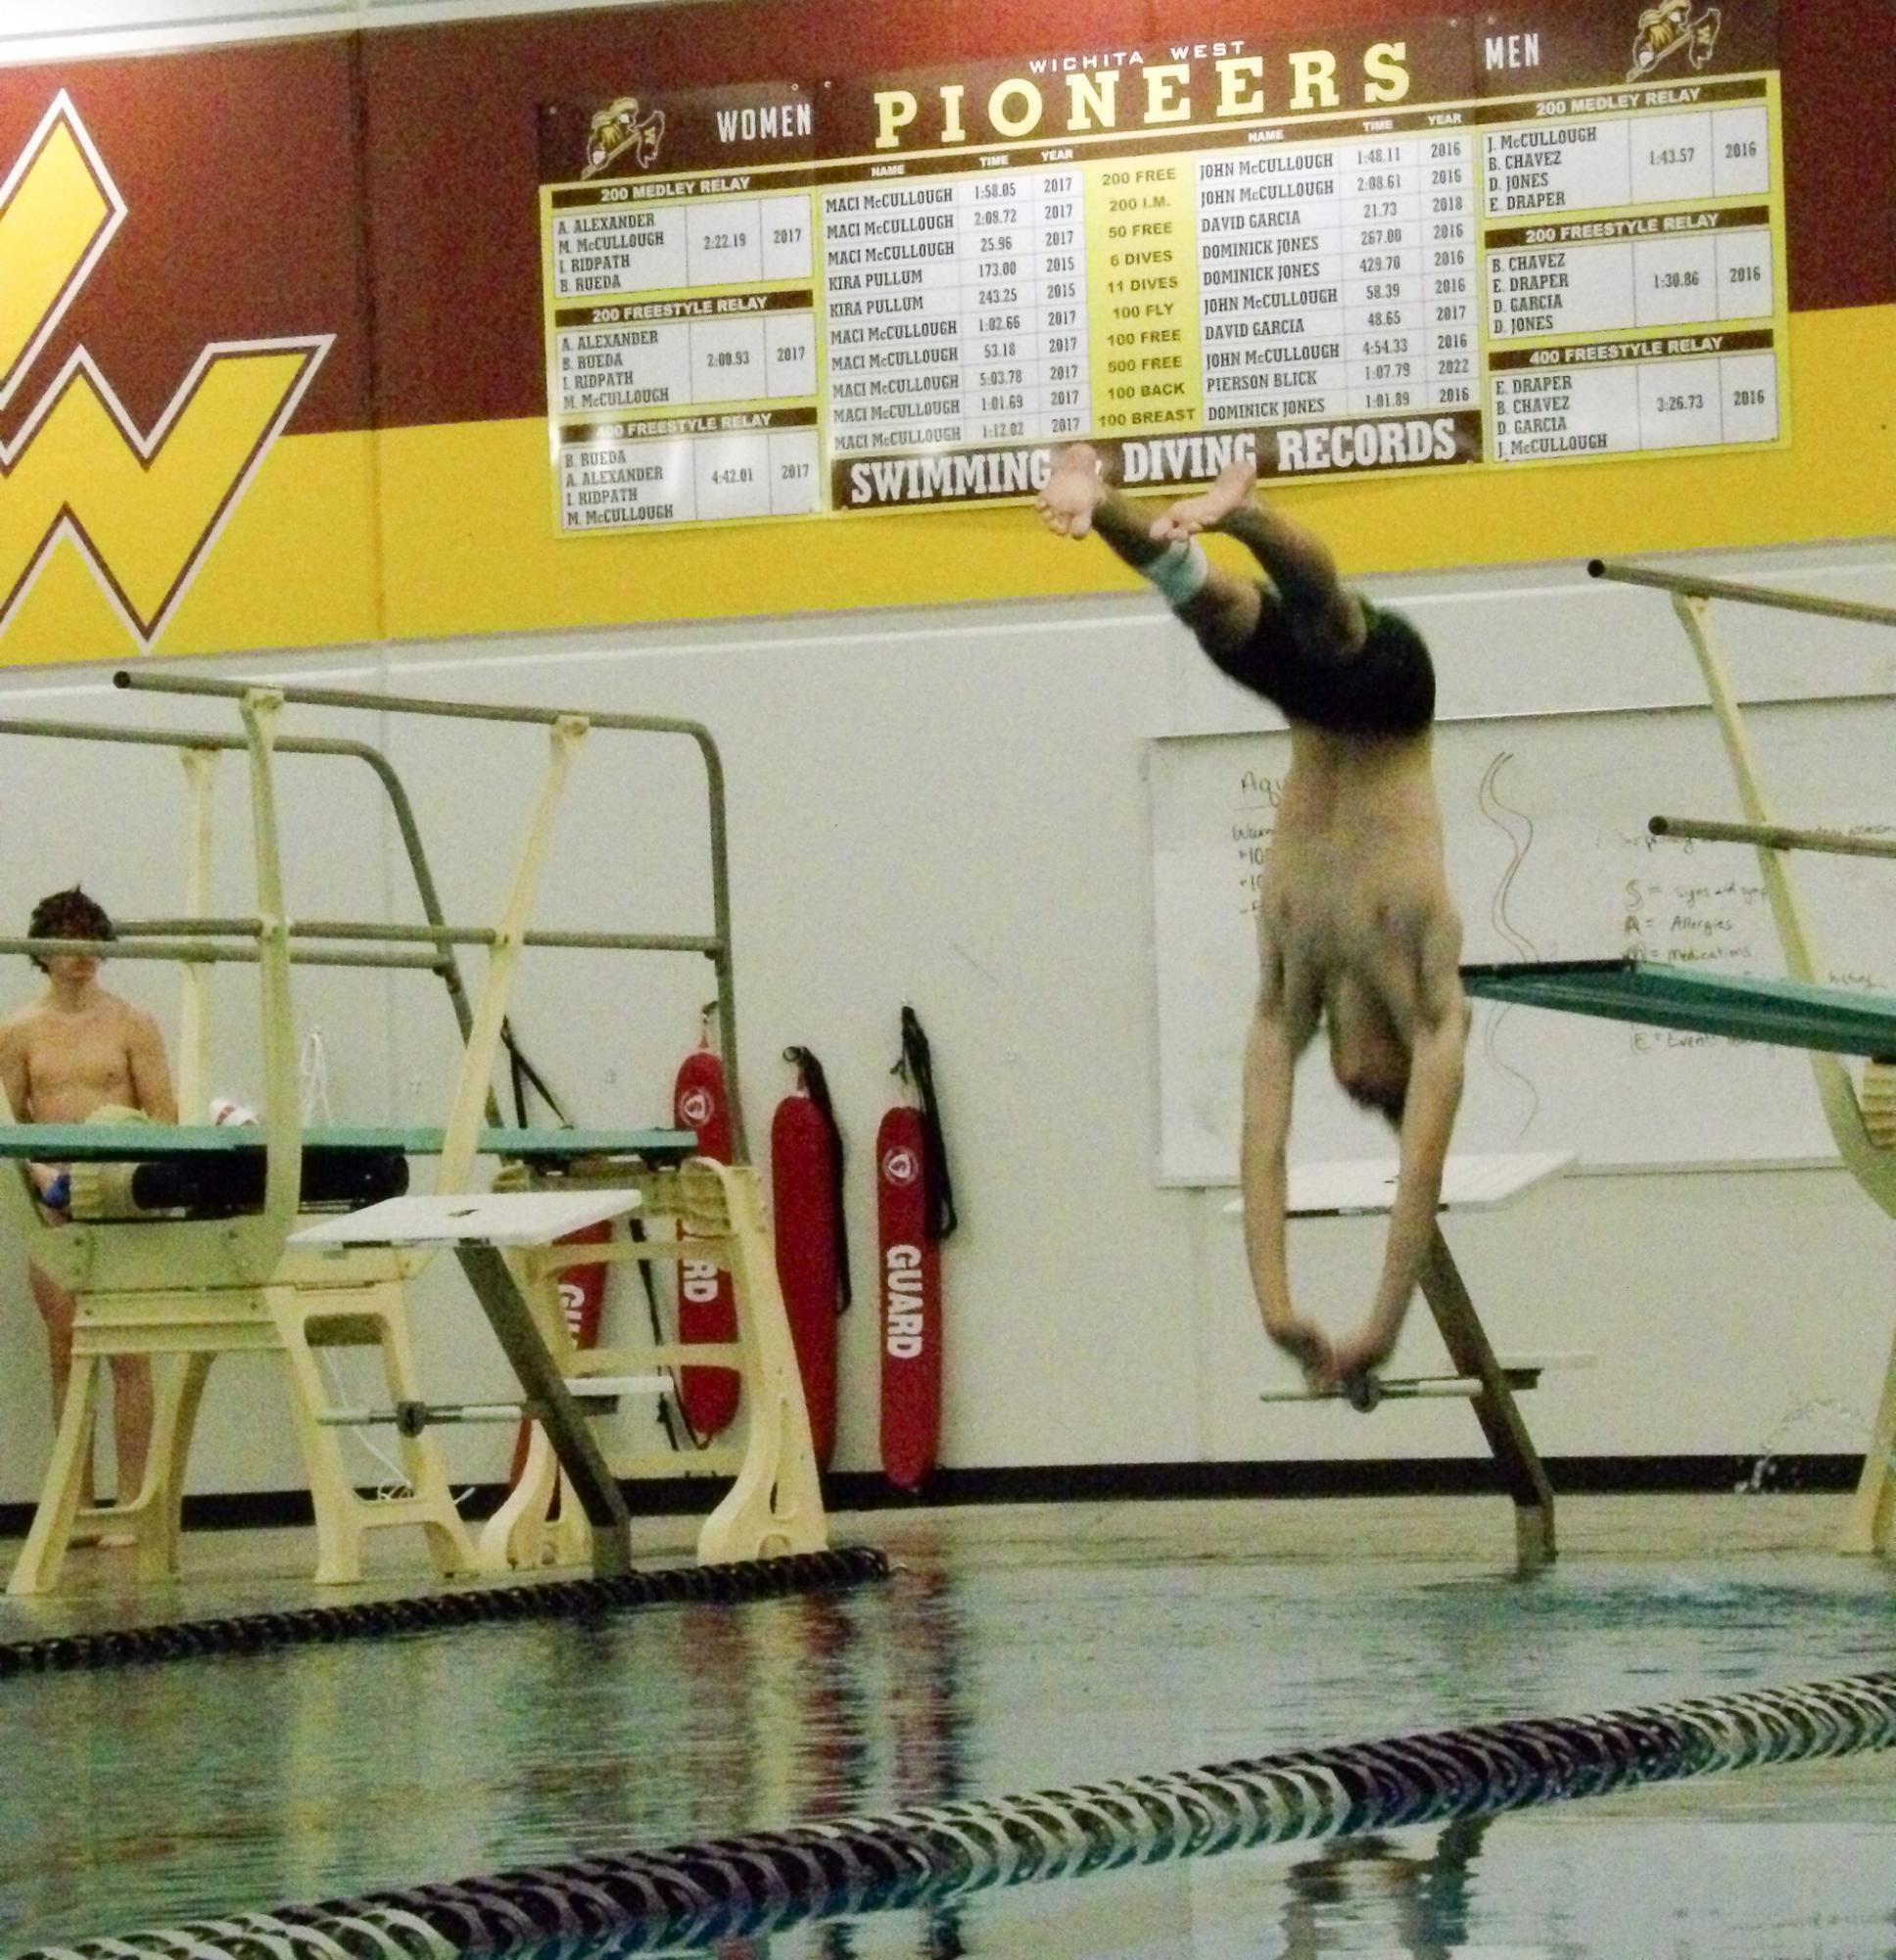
(1790, 1014)
(137, 1142)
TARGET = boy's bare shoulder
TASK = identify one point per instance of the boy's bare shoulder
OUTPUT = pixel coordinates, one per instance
(17, 1028)
(132, 1015)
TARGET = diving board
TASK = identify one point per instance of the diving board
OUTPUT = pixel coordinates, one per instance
(177, 1243)
(1790, 1014)
(475, 1225)
(1471, 1180)
(479, 1217)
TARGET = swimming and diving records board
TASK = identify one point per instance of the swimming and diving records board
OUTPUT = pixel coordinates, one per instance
(1347, 253)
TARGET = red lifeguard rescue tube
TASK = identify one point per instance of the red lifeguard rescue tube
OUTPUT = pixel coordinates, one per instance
(915, 1208)
(910, 1304)
(707, 1309)
(812, 1245)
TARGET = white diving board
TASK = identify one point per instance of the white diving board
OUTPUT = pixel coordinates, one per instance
(474, 1225)
(1359, 1188)
(473, 1218)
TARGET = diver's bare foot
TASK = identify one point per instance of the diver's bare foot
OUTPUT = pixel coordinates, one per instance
(1207, 510)
(1072, 492)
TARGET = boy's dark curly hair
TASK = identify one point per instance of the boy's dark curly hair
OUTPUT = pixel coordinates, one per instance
(71, 914)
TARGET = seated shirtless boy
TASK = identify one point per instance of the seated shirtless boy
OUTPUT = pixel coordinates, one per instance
(1354, 923)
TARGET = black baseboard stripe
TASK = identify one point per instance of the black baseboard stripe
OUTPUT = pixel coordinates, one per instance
(1108, 1483)
(1424, 1476)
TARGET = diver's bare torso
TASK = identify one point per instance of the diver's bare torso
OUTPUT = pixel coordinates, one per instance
(1354, 920)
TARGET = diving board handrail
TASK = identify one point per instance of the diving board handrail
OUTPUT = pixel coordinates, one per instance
(428, 935)
(115, 1143)
(474, 1085)
(1873, 1168)
(1690, 585)
(67, 1253)
(1874, 1508)
(189, 950)
(719, 949)
(1771, 837)
(193, 1005)
(192, 741)
(282, 1113)
(253, 1241)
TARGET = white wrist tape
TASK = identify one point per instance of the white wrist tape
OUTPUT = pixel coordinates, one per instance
(1180, 571)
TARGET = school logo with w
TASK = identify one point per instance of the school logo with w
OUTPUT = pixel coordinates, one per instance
(142, 507)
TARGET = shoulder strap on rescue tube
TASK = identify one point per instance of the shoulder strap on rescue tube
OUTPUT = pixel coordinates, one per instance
(918, 1064)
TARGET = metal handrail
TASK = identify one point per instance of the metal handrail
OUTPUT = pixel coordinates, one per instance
(429, 935)
(1771, 837)
(1869, 1162)
(191, 952)
(717, 948)
(1873, 1165)
(186, 740)
(1694, 587)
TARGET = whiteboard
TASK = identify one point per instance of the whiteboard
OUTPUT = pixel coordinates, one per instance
(1548, 859)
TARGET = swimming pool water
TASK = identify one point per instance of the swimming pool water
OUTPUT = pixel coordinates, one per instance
(147, 1796)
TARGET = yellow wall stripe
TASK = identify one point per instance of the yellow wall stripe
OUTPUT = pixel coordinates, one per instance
(468, 546)
(471, 549)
